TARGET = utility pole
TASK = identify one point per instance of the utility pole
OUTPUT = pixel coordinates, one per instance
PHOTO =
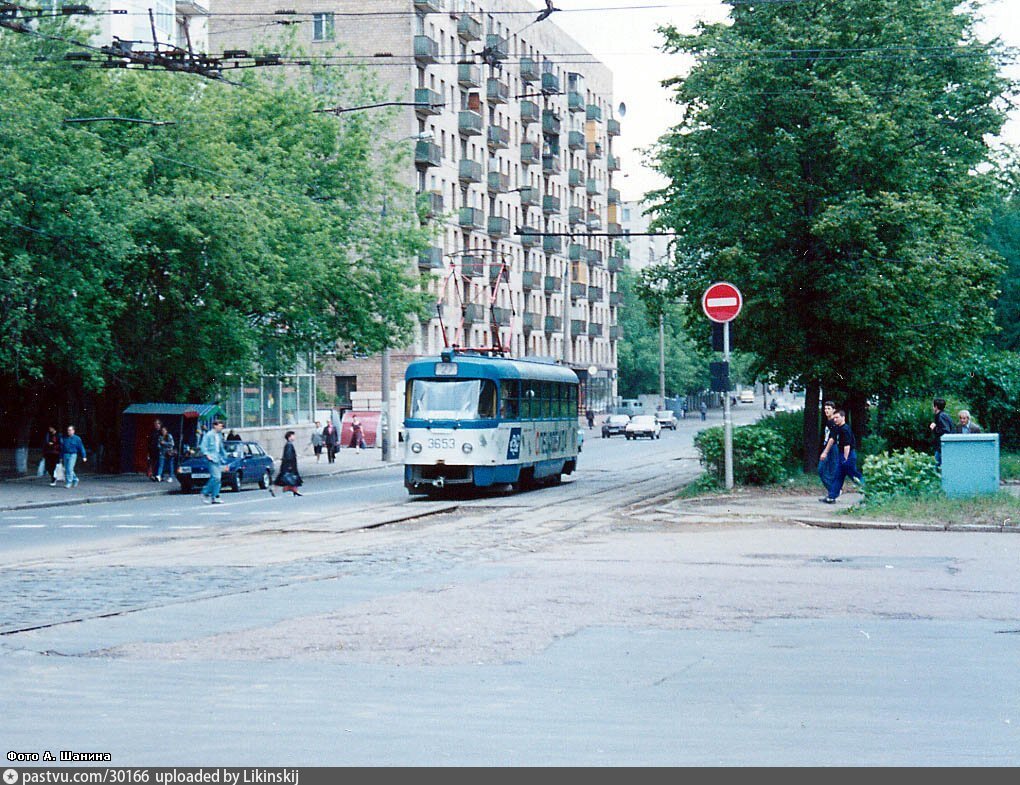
(662, 361)
(384, 419)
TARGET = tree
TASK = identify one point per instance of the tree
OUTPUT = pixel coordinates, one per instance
(829, 162)
(144, 262)
(1004, 237)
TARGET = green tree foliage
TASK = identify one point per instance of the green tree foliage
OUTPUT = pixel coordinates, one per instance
(145, 262)
(686, 365)
(1004, 237)
(829, 163)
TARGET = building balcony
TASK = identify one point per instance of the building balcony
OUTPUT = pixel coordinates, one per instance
(613, 195)
(427, 154)
(472, 266)
(498, 183)
(615, 333)
(578, 327)
(426, 50)
(613, 127)
(192, 7)
(615, 298)
(531, 153)
(550, 164)
(529, 69)
(529, 112)
(615, 264)
(427, 102)
(469, 122)
(593, 187)
(551, 124)
(594, 222)
(497, 91)
(498, 272)
(498, 136)
(474, 313)
(575, 178)
(553, 244)
(496, 47)
(469, 75)
(553, 324)
(575, 102)
(469, 28)
(552, 284)
(596, 294)
(501, 316)
(594, 256)
(429, 6)
(614, 228)
(613, 163)
(469, 171)
(593, 150)
(471, 218)
(531, 279)
(578, 290)
(593, 112)
(594, 329)
(530, 196)
(499, 227)
(550, 204)
(575, 252)
(575, 140)
(532, 320)
(431, 258)
(575, 217)
(431, 204)
(530, 237)
(550, 83)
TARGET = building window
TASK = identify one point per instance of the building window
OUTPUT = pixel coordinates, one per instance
(322, 27)
(345, 385)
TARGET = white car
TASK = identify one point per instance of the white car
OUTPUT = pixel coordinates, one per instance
(666, 419)
(643, 425)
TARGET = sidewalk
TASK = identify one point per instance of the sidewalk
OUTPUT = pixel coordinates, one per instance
(32, 492)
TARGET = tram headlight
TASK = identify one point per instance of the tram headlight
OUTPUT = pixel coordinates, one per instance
(416, 448)
(467, 448)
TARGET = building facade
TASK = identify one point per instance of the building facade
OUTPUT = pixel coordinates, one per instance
(512, 124)
(146, 24)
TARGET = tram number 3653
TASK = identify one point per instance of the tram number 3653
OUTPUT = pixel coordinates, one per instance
(442, 443)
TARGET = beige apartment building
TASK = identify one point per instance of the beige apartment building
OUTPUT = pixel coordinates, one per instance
(512, 124)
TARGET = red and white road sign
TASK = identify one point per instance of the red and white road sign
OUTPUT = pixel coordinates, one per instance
(721, 302)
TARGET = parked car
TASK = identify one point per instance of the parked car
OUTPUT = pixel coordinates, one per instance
(746, 396)
(643, 425)
(248, 463)
(666, 419)
(614, 425)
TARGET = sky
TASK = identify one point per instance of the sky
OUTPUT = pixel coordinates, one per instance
(622, 34)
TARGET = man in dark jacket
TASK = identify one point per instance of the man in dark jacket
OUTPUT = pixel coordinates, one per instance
(942, 424)
(331, 439)
(152, 446)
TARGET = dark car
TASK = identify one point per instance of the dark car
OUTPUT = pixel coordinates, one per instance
(248, 463)
(615, 425)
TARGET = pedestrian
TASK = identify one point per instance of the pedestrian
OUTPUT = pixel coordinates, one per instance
(704, 410)
(331, 440)
(966, 424)
(232, 436)
(846, 452)
(942, 424)
(51, 453)
(590, 416)
(357, 434)
(211, 447)
(317, 441)
(828, 459)
(152, 449)
(71, 448)
(288, 478)
(167, 455)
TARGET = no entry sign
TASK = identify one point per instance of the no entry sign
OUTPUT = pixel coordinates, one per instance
(721, 302)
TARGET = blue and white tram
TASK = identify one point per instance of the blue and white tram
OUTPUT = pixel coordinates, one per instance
(474, 420)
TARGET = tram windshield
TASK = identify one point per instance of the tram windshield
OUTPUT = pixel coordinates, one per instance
(471, 399)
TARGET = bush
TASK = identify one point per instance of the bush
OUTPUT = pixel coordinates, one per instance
(904, 426)
(790, 427)
(757, 454)
(903, 473)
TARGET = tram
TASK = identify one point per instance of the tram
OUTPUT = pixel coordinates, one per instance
(476, 420)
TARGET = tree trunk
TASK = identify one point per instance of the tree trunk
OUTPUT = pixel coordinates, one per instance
(857, 412)
(812, 396)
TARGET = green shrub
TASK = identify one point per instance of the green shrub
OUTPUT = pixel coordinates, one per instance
(902, 473)
(757, 454)
(904, 425)
(790, 427)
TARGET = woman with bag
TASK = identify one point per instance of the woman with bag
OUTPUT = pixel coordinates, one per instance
(51, 454)
(288, 478)
(167, 455)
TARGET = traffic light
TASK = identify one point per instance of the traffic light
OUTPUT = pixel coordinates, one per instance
(717, 336)
(720, 373)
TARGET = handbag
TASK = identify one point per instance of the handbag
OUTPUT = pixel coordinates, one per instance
(58, 473)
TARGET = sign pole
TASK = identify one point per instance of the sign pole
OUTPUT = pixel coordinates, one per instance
(727, 418)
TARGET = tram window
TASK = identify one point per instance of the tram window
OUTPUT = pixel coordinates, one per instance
(487, 400)
(509, 393)
(529, 400)
(445, 400)
(547, 390)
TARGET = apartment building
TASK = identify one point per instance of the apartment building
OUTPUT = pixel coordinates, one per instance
(512, 123)
(144, 24)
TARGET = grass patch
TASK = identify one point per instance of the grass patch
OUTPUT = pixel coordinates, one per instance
(992, 509)
(1009, 465)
